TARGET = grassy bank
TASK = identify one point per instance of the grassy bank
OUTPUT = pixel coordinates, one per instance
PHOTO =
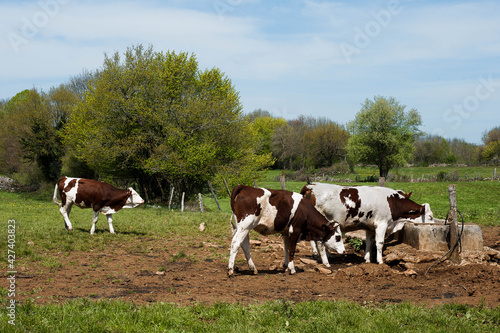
(281, 316)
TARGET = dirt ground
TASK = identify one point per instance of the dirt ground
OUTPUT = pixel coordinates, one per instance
(164, 271)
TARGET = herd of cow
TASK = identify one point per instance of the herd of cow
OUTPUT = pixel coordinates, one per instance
(319, 214)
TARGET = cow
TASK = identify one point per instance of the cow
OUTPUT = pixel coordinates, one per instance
(278, 211)
(379, 210)
(88, 193)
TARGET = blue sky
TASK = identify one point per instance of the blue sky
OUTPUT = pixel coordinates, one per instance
(310, 57)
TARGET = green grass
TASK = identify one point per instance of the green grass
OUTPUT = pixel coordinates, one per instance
(83, 315)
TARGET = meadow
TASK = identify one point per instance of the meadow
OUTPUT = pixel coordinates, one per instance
(42, 246)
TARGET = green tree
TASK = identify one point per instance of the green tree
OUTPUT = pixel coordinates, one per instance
(263, 125)
(432, 149)
(34, 119)
(383, 134)
(491, 139)
(325, 143)
(156, 118)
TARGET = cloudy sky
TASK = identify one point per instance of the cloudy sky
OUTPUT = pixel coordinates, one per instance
(297, 57)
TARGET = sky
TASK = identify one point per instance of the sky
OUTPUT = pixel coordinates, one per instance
(291, 58)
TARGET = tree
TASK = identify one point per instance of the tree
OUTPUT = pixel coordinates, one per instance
(155, 118)
(325, 143)
(383, 134)
(491, 139)
(431, 149)
(263, 125)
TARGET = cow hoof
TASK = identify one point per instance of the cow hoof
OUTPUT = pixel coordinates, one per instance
(255, 272)
(292, 272)
(69, 229)
(230, 272)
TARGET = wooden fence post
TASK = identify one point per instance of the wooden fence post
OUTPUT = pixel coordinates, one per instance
(201, 203)
(453, 224)
(381, 181)
(171, 196)
(213, 194)
(282, 178)
(182, 202)
(227, 187)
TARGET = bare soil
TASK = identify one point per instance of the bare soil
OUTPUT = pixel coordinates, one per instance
(173, 272)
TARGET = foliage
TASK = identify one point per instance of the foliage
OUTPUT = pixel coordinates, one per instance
(309, 143)
(156, 118)
(34, 121)
(491, 150)
(383, 134)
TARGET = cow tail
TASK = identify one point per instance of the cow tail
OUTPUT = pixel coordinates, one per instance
(233, 226)
(56, 193)
(234, 193)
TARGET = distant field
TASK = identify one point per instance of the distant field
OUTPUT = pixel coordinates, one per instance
(479, 201)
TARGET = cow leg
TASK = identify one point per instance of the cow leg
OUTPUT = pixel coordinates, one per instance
(290, 243)
(110, 222)
(94, 221)
(368, 245)
(314, 249)
(241, 236)
(323, 254)
(379, 240)
(65, 210)
(286, 242)
(245, 245)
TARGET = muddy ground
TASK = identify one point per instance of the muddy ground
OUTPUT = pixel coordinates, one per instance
(168, 271)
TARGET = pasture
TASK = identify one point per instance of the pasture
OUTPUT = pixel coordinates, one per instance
(159, 272)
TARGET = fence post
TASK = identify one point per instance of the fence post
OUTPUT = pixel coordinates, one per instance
(182, 202)
(213, 194)
(201, 203)
(282, 178)
(381, 181)
(227, 187)
(171, 196)
(453, 224)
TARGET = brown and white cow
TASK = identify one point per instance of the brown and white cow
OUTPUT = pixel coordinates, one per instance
(277, 211)
(88, 193)
(379, 210)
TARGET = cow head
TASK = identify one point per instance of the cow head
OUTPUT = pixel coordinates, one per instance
(333, 238)
(133, 200)
(428, 216)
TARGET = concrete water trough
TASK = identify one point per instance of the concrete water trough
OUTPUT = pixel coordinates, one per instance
(436, 236)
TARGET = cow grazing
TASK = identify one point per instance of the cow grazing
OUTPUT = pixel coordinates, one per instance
(378, 210)
(278, 211)
(88, 193)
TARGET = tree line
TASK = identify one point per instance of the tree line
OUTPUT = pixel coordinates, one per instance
(157, 120)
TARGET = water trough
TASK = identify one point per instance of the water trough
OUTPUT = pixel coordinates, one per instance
(436, 236)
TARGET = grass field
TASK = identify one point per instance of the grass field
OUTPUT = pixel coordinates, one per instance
(39, 230)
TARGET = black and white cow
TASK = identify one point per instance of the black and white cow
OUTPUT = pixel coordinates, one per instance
(88, 193)
(277, 211)
(379, 210)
